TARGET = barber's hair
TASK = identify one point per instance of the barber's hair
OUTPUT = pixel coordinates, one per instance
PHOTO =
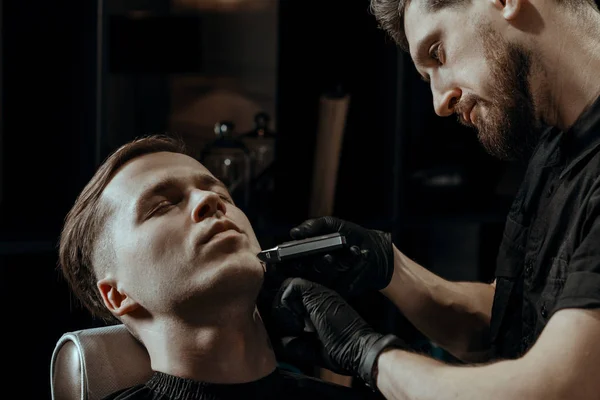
(390, 13)
(84, 226)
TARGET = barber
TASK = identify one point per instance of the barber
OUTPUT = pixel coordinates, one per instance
(512, 67)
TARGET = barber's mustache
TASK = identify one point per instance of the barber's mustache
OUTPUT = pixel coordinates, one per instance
(466, 103)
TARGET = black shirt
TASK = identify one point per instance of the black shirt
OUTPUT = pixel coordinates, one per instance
(280, 384)
(549, 258)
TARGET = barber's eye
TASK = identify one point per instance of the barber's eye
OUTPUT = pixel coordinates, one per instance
(436, 52)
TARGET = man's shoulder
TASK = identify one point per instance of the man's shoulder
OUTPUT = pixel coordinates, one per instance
(306, 386)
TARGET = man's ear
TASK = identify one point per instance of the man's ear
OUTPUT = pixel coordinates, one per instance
(510, 8)
(117, 301)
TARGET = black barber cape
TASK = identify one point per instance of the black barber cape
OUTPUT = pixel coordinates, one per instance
(280, 384)
(549, 258)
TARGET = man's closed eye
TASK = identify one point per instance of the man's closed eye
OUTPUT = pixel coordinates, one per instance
(161, 208)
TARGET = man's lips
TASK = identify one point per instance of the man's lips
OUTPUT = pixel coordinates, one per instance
(468, 115)
(219, 226)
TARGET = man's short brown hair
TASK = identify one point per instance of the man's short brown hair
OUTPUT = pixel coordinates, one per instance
(86, 222)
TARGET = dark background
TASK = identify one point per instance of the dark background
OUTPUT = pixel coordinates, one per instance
(54, 134)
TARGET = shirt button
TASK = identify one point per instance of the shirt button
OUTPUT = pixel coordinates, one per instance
(525, 341)
(544, 311)
(528, 268)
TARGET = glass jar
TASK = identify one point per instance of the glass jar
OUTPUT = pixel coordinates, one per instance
(229, 159)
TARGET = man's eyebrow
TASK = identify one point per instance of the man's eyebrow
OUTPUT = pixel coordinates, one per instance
(168, 183)
(156, 188)
(421, 54)
(209, 180)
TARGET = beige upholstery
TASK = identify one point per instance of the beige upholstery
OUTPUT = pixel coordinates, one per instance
(92, 363)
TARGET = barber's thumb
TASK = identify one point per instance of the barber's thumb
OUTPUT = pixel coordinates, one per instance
(289, 312)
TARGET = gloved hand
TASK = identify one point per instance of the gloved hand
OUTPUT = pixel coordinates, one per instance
(345, 343)
(367, 264)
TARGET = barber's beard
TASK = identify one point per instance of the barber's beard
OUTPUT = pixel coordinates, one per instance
(509, 128)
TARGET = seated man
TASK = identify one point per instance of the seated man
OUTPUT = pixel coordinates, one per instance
(154, 241)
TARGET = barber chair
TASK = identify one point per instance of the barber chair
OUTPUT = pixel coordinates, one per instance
(91, 363)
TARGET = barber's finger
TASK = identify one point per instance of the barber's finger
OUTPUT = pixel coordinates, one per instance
(358, 252)
(337, 263)
(307, 300)
(305, 267)
(326, 269)
(288, 310)
(306, 229)
(321, 270)
(292, 296)
(323, 265)
(349, 266)
(307, 349)
(315, 227)
(304, 349)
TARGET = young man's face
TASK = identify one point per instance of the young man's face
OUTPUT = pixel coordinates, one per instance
(475, 72)
(177, 236)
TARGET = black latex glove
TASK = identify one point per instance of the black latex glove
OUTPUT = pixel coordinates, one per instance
(344, 342)
(367, 264)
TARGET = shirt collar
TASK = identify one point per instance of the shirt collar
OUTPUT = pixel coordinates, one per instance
(583, 137)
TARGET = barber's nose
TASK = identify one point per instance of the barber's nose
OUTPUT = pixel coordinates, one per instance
(206, 204)
(445, 101)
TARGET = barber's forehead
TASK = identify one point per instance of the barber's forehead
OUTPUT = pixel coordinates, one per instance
(424, 17)
(418, 21)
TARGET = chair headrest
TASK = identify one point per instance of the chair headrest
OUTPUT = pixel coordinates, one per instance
(92, 363)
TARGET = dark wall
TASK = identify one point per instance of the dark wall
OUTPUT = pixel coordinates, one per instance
(48, 135)
(336, 45)
(48, 113)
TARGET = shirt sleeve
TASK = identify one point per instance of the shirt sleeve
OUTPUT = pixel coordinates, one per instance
(582, 287)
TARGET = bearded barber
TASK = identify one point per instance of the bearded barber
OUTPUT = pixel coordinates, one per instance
(506, 68)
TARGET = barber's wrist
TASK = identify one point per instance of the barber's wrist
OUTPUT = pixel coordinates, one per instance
(390, 289)
(376, 366)
(369, 367)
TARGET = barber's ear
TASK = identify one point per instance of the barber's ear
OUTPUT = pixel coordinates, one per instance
(117, 301)
(510, 8)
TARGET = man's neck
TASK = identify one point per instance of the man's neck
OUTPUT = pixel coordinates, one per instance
(237, 350)
(570, 61)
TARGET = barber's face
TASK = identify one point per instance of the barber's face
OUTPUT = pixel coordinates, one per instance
(178, 237)
(475, 73)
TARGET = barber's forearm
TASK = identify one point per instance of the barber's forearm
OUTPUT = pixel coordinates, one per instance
(407, 376)
(454, 315)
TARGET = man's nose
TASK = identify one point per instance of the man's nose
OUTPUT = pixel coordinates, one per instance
(445, 101)
(206, 204)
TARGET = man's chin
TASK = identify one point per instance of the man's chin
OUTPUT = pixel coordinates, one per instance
(241, 271)
(491, 147)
